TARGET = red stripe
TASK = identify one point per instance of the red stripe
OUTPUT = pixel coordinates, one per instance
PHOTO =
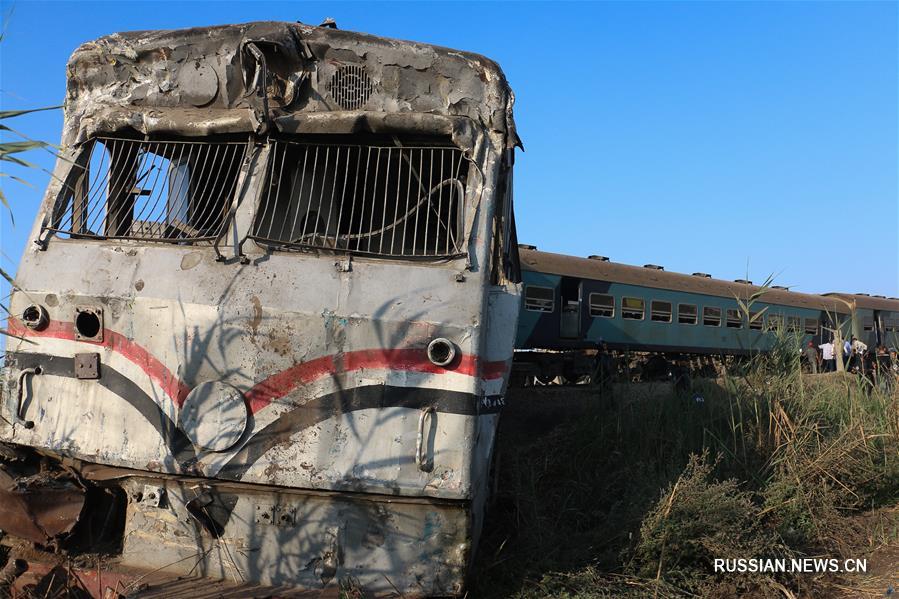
(120, 344)
(281, 383)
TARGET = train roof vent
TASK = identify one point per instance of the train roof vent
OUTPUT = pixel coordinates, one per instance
(865, 294)
(596, 257)
(704, 275)
(880, 296)
(744, 281)
(525, 246)
(654, 266)
(895, 298)
(351, 87)
(781, 287)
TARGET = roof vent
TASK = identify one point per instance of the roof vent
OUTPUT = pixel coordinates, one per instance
(865, 294)
(704, 275)
(781, 287)
(744, 281)
(350, 87)
(525, 246)
(654, 266)
(600, 258)
(881, 296)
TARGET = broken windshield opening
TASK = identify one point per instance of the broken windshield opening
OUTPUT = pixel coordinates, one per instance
(374, 199)
(175, 191)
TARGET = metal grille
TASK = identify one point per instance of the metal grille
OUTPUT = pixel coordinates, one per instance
(383, 200)
(350, 87)
(147, 190)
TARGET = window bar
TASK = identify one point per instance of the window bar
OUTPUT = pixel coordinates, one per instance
(321, 196)
(408, 160)
(268, 196)
(439, 216)
(371, 219)
(119, 200)
(384, 205)
(311, 192)
(346, 175)
(326, 237)
(196, 210)
(290, 196)
(156, 189)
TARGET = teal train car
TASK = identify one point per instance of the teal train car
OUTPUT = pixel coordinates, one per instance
(571, 305)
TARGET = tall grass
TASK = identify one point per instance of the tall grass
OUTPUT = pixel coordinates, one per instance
(639, 494)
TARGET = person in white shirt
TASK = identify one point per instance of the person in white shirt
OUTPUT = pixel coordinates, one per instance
(830, 363)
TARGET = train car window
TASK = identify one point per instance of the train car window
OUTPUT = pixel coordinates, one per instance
(371, 199)
(539, 299)
(169, 191)
(756, 320)
(793, 323)
(632, 308)
(811, 326)
(868, 323)
(734, 319)
(775, 322)
(686, 314)
(602, 305)
(660, 311)
(711, 316)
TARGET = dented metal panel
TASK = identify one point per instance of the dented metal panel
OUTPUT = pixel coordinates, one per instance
(39, 508)
(331, 392)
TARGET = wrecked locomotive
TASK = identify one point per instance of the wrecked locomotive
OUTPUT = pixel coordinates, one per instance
(264, 331)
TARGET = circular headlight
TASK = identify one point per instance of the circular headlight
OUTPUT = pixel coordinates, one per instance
(35, 317)
(441, 351)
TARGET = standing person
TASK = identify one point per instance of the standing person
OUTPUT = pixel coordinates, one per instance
(847, 354)
(811, 354)
(859, 351)
(828, 360)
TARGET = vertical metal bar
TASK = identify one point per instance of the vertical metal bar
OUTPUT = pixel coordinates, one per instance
(120, 202)
(350, 229)
(371, 220)
(358, 229)
(346, 176)
(97, 200)
(439, 205)
(79, 196)
(333, 189)
(321, 195)
(406, 214)
(309, 195)
(290, 198)
(428, 202)
(384, 207)
(418, 200)
(396, 207)
(197, 197)
(278, 190)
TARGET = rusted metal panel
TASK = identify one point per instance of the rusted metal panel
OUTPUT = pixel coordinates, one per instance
(40, 508)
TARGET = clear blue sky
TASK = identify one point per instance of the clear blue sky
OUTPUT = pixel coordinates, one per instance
(701, 136)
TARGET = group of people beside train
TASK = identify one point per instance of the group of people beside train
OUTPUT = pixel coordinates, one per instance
(878, 365)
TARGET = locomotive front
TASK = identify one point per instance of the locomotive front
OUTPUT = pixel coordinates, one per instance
(265, 328)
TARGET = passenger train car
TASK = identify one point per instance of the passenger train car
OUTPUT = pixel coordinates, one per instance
(570, 305)
(263, 331)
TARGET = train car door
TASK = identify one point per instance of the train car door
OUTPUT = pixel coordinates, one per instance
(570, 324)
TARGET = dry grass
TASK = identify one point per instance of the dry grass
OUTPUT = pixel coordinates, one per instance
(636, 496)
